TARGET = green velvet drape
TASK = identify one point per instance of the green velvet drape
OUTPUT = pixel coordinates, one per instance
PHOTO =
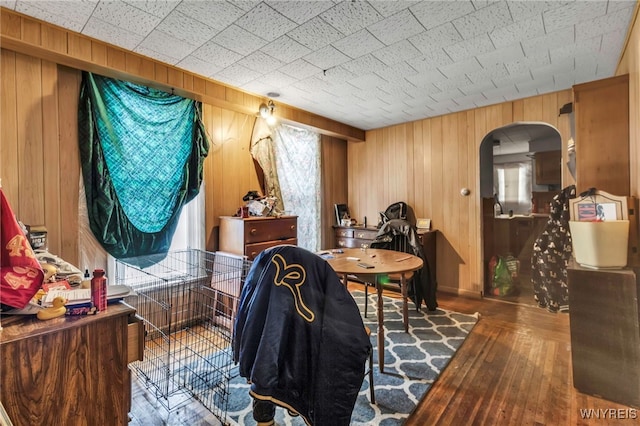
(153, 178)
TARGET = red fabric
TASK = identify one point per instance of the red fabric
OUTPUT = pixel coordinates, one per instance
(21, 275)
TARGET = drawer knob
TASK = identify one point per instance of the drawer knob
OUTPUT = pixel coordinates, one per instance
(341, 243)
(293, 227)
(253, 254)
(253, 231)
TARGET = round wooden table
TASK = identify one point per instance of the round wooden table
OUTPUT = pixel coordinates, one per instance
(384, 262)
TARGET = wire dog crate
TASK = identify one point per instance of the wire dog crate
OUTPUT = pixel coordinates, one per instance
(187, 300)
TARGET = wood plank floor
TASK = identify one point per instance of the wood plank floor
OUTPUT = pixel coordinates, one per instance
(513, 369)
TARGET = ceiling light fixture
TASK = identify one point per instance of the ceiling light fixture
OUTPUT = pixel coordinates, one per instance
(266, 112)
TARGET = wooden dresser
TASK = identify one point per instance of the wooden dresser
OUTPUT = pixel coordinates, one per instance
(69, 370)
(604, 315)
(355, 236)
(249, 236)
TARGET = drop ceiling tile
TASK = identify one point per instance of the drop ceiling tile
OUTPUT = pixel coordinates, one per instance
(126, 17)
(365, 64)
(388, 8)
(349, 17)
(492, 73)
(368, 81)
(564, 81)
(215, 14)
(426, 79)
(504, 54)
(278, 81)
(475, 88)
(602, 24)
(397, 73)
(300, 69)
(337, 74)
(514, 33)
(101, 30)
(572, 14)
(254, 22)
(156, 55)
(396, 27)
(326, 57)
(9, 4)
(471, 47)
(432, 14)
(501, 92)
(198, 66)
(244, 5)
(552, 40)
(167, 45)
(238, 40)
(300, 11)
(214, 53)
(260, 62)
(259, 88)
(64, 14)
(236, 75)
(462, 67)
(523, 65)
(563, 65)
(520, 78)
(358, 44)
(442, 36)
(430, 60)
(612, 44)
(185, 28)
(397, 52)
(586, 47)
(473, 99)
(285, 49)
(315, 34)
(159, 8)
(533, 86)
(453, 83)
(312, 84)
(482, 21)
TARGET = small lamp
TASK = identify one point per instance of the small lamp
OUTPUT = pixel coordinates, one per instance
(266, 112)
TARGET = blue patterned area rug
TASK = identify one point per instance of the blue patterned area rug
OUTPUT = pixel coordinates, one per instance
(413, 362)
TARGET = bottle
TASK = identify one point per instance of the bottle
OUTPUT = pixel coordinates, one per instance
(497, 207)
(99, 290)
(86, 280)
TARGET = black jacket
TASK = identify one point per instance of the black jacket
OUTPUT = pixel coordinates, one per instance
(390, 236)
(299, 337)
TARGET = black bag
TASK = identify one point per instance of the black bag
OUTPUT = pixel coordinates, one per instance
(394, 211)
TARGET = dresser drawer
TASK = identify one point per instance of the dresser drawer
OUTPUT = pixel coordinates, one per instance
(365, 234)
(344, 233)
(267, 230)
(252, 250)
(135, 339)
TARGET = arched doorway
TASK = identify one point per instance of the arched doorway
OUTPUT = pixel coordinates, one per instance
(520, 172)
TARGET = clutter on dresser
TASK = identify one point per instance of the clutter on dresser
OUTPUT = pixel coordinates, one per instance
(258, 205)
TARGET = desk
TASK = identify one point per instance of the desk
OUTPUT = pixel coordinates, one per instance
(384, 262)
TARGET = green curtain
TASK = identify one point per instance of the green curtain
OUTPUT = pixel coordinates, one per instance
(142, 152)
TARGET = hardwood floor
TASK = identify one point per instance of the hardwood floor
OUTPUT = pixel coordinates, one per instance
(513, 369)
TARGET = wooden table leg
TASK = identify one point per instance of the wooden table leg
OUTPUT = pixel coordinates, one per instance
(405, 308)
(380, 327)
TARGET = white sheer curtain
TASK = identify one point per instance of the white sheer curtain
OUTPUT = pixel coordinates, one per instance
(512, 183)
(298, 164)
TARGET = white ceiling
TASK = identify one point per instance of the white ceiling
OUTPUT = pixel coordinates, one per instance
(369, 64)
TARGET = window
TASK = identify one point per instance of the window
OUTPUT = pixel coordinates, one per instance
(512, 183)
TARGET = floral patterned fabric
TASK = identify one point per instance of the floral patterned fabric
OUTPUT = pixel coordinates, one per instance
(551, 255)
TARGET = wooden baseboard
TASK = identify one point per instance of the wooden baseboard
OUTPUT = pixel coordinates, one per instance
(460, 292)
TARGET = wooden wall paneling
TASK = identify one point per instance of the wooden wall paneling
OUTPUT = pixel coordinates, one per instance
(79, 46)
(54, 39)
(51, 155)
(418, 159)
(334, 184)
(99, 53)
(630, 64)
(472, 206)
(211, 117)
(70, 173)
(10, 25)
(465, 207)
(30, 31)
(30, 156)
(517, 107)
(9, 129)
(533, 110)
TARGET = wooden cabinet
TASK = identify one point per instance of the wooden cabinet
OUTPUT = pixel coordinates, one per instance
(605, 332)
(250, 236)
(548, 167)
(68, 370)
(602, 135)
(355, 236)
